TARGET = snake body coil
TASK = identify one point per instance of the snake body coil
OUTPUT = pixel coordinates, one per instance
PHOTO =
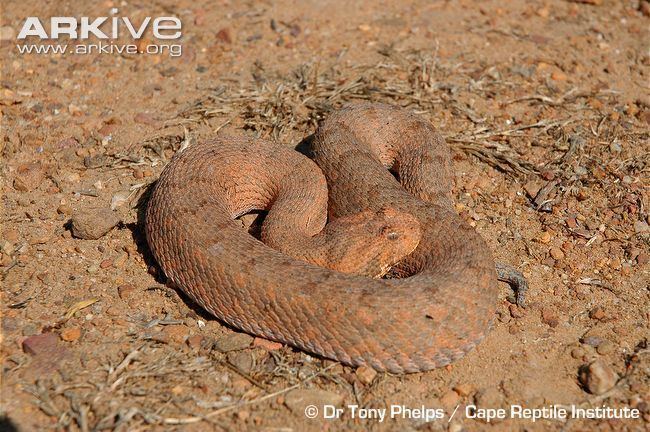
(387, 175)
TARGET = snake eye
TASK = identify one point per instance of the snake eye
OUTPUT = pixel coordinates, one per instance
(387, 231)
(392, 236)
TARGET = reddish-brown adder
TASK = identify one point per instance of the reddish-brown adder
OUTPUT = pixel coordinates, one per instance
(382, 177)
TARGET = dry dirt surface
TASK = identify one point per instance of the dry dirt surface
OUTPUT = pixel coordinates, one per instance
(545, 103)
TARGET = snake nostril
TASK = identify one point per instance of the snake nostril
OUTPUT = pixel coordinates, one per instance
(392, 236)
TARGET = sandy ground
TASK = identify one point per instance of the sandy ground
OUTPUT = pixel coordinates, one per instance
(546, 106)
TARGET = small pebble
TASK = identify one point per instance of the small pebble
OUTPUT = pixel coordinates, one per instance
(64, 209)
(549, 317)
(449, 400)
(40, 344)
(578, 353)
(598, 377)
(605, 348)
(120, 260)
(366, 374)
(515, 311)
(240, 385)
(195, 341)
(7, 33)
(13, 235)
(464, 389)
(233, 342)
(30, 329)
(597, 313)
(644, 7)
(75, 110)
(146, 119)
(556, 253)
(267, 344)
(29, 176)
(297, 400)
(71, 334)
(242, 360)
(125, 291)
(548, 175)
(7, 248)
(172, 334)
(92, 224)
(107, 130)
(46, 350)
(641, 227)
(593, 341)
(571, 222)
(582, 195)
(8, 97)
(532, 188)
(223, 35)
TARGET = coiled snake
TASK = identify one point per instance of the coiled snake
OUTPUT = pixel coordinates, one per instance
(381, 176)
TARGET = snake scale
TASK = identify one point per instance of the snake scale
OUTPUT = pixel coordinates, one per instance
(374, 200)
